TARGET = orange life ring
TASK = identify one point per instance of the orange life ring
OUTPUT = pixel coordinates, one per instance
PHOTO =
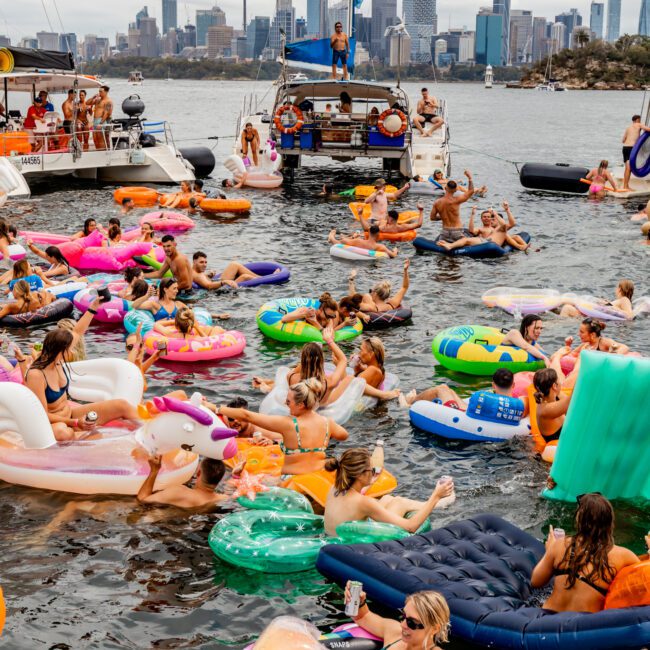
(384, 115)
(166, 199)
(630, 587)
(143, 197)
(236, 206)
(288, 129)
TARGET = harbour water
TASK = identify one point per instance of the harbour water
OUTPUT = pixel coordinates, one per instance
(112, 574)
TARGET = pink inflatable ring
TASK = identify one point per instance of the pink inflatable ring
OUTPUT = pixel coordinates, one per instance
(227, 343)
(170, 221)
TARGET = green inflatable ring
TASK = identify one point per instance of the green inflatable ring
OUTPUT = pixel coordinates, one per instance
(279, 540)
(154, 264)
(476, 350)
(269, 320)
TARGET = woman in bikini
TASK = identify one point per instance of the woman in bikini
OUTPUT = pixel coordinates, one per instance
(5, 241)
(26, 300)
(326, 313)
(527, 337)
(591, 338)
(82, 126)
(379, 299)
(148, 234)
(304, 435)
(49, 379)
(599, 177)
(622, 302)
(585, 564)
(166, 306)
(250, 138)
(52, 255)
(424, 622)
(183, 325)
(346, 500)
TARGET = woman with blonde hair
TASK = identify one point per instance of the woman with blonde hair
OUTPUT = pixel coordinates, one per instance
(346, 501)
(26, 300)
(599, 177)
(183, 325)
(379, 299)
(424, 622)
(622, 302)
(303, 435)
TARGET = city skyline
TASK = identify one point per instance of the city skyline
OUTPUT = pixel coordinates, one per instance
(28, 17)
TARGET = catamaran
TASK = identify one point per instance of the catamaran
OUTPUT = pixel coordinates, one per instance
(344, 120)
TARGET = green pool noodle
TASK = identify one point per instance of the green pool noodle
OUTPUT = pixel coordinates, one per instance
(604, 446)
(155, 264)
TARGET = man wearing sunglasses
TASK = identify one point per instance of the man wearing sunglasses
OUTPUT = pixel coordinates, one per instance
(340, 45)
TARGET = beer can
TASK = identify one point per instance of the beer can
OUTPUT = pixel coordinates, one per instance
(91, 417)
(352, 607)
(559, 533)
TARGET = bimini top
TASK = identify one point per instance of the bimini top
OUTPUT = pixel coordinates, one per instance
(482, 566)
(330, 89)
(53, 82)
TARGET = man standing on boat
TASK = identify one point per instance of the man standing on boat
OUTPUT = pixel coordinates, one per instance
(340, 48)
(102, 114)
(630, 137)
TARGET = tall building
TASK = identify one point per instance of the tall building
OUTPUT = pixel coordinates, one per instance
(169, 15)
(301, 28)
(558, 37)
(613, 20)
(313, 17)
(384, 14)
(121, 42)
(103, 47)
(540, 40)
(143, 13)
(460, 43)
(363, 25)
(5, 41)
(258, 35)
(489, 37)
(421, 22)
(133, 39)
(439, 49)
(89, 50)
(148, 37)
(68, 43)
(644, 18)
(570, 19)
(521, 36)
(285, 20)
(502, 8)
(597, 19)
(48, 40)
(219, 41)
(206, 18)
(399, 49)
(28, 42)
(337, 13)
(189, 36)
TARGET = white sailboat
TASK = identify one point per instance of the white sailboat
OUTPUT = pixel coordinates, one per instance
(550, 85)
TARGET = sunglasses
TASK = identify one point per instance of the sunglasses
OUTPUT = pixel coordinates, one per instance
(411, 623)
(129, 347)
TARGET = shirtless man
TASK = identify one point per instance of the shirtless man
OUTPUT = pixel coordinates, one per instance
(378, 200)
(390, 223)
(340, 48)
(371, 244)
(67, 109)
(83, 128)
(447, 209)
(630, 137)
(202, 495)
(234, 274)
(426, 112)
(102, 114)
(178, 263)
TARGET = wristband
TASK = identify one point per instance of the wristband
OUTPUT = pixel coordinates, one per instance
(75, 423)
(91, 311)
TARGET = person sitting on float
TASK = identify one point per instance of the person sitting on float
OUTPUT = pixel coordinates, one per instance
(131, 275)
(350, 310)
(346, 500)
(527, 337)
(166, 306)
(49, 379)
(26, 300)
(371, 244)
(173, 200)
(379, 299)
(184, 325)
(591, 338)
(148, 234)
(23, 270)
(54, 257)
(244, 429)
(312, 366)
(623, 301)
(303, 436)
(390, 224)
(327, 312)
(424, 622)
(584, 565)
(89, 226)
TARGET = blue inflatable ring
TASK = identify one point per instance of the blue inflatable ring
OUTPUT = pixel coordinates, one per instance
(482, 566)
(640, 172)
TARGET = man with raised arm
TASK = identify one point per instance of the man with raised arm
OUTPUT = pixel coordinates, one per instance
(447, 209)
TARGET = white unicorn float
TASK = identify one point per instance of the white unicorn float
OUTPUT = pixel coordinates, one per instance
(266, 176)
(116, 461)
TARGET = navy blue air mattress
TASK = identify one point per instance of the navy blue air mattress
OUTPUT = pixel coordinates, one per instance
(482, 566)
(489, 250)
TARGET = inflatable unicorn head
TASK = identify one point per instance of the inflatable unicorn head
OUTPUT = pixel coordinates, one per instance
(187, 425)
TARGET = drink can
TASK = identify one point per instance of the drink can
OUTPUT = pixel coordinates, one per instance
(558, 533)
(91, 417)
(352, 607)
(257, 435)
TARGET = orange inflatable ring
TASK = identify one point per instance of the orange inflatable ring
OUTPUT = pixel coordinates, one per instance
(143, 197)
(405, 235)
(166, 199)
(3, 611)
(283, 128)
(387, 113)
(316, 485)
(404, 217)
(259, 460)
(225, 205)
(630, 587)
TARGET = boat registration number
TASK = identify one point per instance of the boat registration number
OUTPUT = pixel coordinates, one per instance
(30, 160)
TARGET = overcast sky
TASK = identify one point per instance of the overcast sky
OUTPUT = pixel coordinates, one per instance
(20, 18)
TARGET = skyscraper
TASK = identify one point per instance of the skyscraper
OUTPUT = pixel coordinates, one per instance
(258, 35)
(644, 18)
(521, 35)
(569, 19)
(143, 13)
(489, 37)
(206, 18)
(148, 37)
(313, 17)
(613, 20)
(68, 43)
(285, 20)
(540, 41)
(48, 40)
(169, 15)
(421, 22)
(384, 14)
(502, 8)
(558, 36)
(597, 19)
